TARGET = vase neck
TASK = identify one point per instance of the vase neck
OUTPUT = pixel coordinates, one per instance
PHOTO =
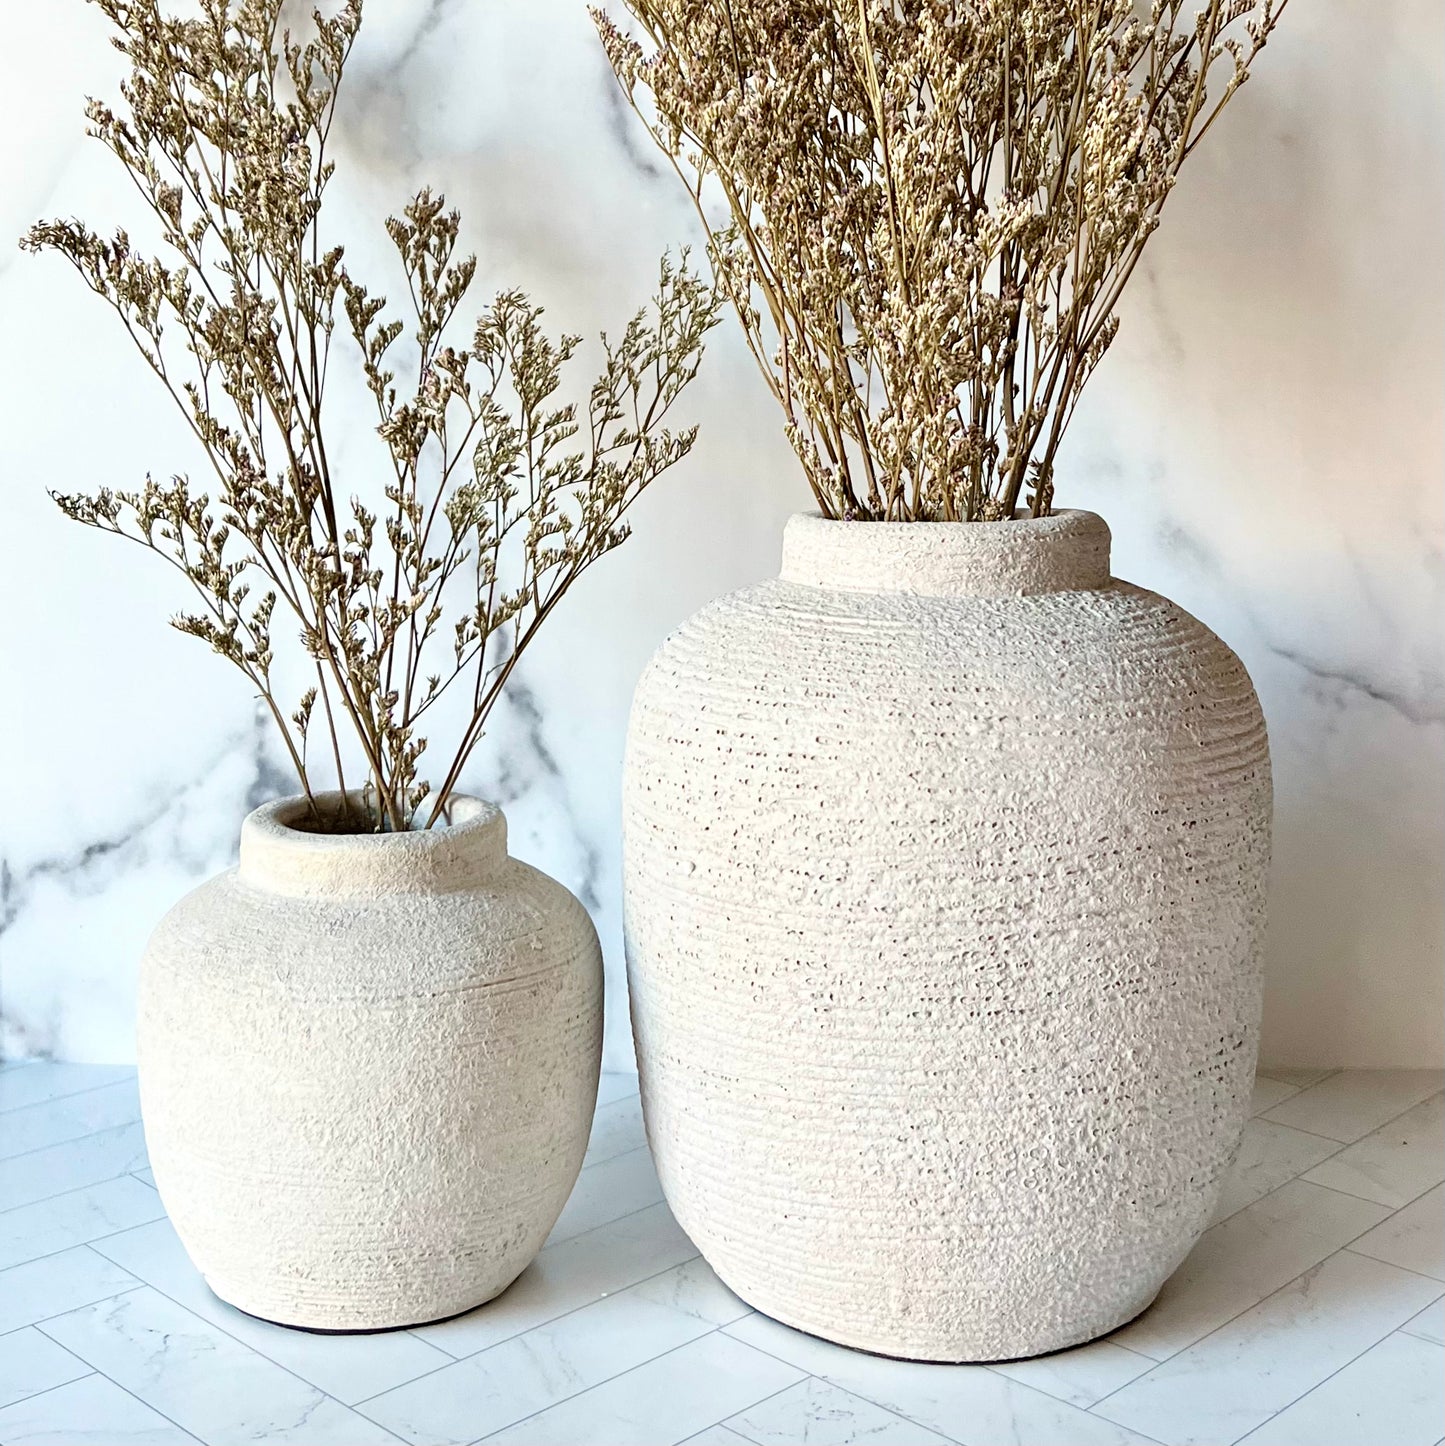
(1067, 552)
(279, 855)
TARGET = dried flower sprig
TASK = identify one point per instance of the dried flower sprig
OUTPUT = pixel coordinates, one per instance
(497, 496)
(930, 209)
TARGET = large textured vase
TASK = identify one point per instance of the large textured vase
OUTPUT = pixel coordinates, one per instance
(368, 1065)
(945, 886)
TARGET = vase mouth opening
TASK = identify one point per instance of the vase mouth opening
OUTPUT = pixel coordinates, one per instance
(281, 854)
(314, 816)
(1067, 551)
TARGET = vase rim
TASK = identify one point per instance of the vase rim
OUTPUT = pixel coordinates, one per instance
(1066, 551)
(1060, 519)
(279, 857)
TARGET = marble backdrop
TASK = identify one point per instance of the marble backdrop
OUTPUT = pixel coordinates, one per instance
(1265, 440)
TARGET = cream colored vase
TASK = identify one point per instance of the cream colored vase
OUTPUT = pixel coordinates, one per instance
(945, 887)
(368, 1066)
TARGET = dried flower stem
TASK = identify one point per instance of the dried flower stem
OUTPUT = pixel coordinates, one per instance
(930, 210)
(491, 511)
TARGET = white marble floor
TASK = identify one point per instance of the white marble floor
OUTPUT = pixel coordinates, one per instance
(1312, 1313)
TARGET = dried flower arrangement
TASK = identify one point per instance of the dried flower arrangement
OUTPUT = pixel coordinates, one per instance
(225, 137)
(930, 209)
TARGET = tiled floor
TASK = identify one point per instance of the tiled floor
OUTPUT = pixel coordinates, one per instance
(1312, 1313)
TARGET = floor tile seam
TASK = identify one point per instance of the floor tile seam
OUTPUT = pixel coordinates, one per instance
(60, 1385)
(1120, 1346)
(605, 1225)
(82, 1305)
(612, 1159)
(208, 1322)
(973, 1365)
(847, 1390)
(1089, 1410)
(1322, 1381)
(1405, 1330)
(1355, 1239)
(1342, 1145)
(71, 1144)
(536, 1325)
(69, 1140)
(1300, 1089)
(1349, 1249)
(677, 1265)
(126, 1390)
(248, 1345)
(1343, 1250)
(1373, 1130)
(771, 1396)
(561, 1400)
(72, 1095)
(1316, 1185)
(83, 1244)
(1299, 1176)
(1254, 1305)
(1369, 1199)
(68, 1094)
(1293, 1091)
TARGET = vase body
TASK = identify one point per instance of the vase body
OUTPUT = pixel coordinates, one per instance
(945, 861)
(368, 1066)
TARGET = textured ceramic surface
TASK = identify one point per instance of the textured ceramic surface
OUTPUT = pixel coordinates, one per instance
(945, 891)
(368, 1067)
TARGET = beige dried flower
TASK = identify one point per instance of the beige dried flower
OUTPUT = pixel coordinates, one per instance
(930, 210)
(498, 495)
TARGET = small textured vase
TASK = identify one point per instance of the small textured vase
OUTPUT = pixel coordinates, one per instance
(368, 1065)
(945, 861)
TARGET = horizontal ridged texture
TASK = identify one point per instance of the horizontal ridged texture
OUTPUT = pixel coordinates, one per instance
(944, 918)
(365, 1105)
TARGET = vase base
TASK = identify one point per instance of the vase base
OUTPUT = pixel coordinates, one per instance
(380, 1330)
(940, 1360)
